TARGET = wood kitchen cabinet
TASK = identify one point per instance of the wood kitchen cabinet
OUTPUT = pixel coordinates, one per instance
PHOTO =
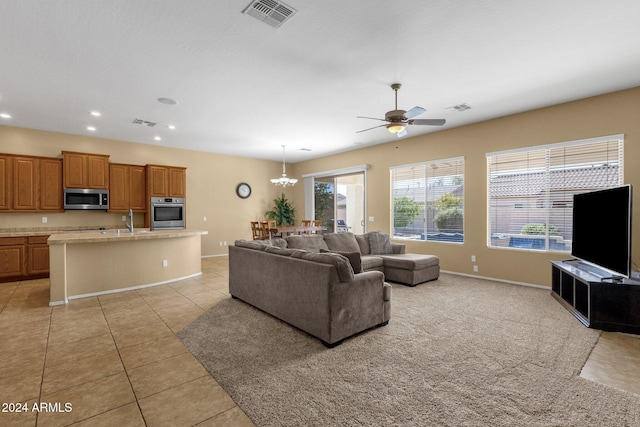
(25, 182)
(84, 170)
(51, 192)
(127, 188)
(166, 181)
(12, 257)
(37, 253)
(24, 258)
(30, 184)
(5, 182)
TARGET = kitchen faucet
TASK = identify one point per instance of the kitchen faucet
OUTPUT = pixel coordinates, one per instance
(130, 223)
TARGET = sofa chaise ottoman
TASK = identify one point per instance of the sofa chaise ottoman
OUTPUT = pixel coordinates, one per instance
(376, 253)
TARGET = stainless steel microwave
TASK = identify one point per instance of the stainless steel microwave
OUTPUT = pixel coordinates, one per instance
(167, 213)
(86, 198)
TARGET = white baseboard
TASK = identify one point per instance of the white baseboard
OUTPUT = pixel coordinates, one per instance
(511, 282)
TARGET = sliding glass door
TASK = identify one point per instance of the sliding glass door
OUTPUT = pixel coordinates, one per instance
(339, 202)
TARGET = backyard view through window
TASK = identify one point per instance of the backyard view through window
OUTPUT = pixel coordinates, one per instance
(428, 201)
(530, 191)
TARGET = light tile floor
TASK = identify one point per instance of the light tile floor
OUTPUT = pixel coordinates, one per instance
(114, 358)
(117, 361)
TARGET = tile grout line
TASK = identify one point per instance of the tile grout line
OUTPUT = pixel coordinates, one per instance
(44, 361)
(124, 368)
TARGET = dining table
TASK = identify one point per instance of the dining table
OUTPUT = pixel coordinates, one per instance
(287, 230)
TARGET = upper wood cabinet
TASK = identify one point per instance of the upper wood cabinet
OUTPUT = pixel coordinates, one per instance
(83, 170)
(51, 193)
(127, 187)
(25, 183)
(30, 184)
(6, 181)
(166, 181)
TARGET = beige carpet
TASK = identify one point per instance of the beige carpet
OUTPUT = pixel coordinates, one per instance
(457, 352)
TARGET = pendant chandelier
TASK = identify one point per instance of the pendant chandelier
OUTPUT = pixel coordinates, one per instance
(283, 180)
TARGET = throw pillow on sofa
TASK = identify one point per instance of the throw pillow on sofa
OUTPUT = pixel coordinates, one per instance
(354, 259)
(311, 243)
(345, 242)
(379, 243)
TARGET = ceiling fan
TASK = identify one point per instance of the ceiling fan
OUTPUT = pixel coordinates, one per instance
(397, 120)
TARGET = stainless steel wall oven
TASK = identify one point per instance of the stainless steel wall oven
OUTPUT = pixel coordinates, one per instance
(167, 213)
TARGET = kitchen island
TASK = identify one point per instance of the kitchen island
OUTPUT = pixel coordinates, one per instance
(90, 263)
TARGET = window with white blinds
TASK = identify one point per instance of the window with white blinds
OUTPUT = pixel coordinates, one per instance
(530, 191)
(428, 200)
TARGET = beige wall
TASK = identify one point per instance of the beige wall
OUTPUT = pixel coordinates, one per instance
(616, 113)
(212, 178)
(211, 184)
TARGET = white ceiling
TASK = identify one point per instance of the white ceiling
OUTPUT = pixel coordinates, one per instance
(244, 88)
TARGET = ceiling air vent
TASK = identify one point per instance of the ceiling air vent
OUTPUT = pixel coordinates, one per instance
(460, 107)
(144, 123)
(273, 13)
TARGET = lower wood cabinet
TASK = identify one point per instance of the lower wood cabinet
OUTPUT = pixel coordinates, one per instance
(37, 256)
(12, 257)
(23, 258)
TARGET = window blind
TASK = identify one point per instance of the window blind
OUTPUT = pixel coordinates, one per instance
(530, 191)
(427, 200)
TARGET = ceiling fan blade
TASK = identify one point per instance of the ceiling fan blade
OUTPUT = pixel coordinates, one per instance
(402, 133)
(364, 130)
(415, 111)
(431, 122)
(372, 118)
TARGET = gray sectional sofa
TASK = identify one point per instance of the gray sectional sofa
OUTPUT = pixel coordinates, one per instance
(330, 286)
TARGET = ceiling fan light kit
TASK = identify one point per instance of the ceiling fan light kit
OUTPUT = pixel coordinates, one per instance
(397, 120)
(395, 127)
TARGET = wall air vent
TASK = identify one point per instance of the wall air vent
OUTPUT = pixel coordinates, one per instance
(144, 123)
(273, 13)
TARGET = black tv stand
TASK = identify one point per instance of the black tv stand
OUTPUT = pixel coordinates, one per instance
(598, 302)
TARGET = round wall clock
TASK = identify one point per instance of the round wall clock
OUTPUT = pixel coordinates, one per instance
(243, 190)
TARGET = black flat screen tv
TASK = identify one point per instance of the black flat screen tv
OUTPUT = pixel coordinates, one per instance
(602, 229)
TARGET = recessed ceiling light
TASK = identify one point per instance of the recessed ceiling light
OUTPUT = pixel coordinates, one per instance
(5, 115)
(95, 113)
(157, 138)
(167, 101)
(91, 128)
(172, 127)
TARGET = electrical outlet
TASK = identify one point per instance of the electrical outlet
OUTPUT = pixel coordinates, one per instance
(124, 217)
(371, 219)
(220, 243)
(44, 219)
(204, 218)
(225, 243)
(475, 268)
(473, 258)
(165, 263)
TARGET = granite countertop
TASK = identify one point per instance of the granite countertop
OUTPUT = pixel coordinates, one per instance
(45, 231)
(119, 235)
(62, 235)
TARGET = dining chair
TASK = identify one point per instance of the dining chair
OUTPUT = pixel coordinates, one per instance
(273, 228)
(316, 223)
(256, 230)
(305, 223)
(265, 231)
